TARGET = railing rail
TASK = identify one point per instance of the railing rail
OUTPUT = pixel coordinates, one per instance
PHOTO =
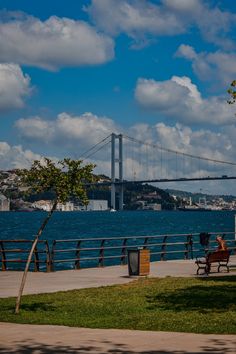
(85, 252)
(11, 254)
(160, 246)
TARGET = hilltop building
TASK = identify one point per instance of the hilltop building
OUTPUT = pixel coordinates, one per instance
(69, 206)
(47, 205)
(4, 203)
(97, 205)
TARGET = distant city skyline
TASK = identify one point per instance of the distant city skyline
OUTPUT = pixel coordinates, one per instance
(72, 72)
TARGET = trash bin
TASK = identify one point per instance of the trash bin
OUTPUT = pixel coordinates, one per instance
(139, 262)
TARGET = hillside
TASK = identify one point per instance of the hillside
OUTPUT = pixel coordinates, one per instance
(196, 196)
(136, 196)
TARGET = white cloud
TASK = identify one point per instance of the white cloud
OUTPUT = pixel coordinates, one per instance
(12, 157)
(133, 17)
(71, 136)
(67, 131)
(141, 18)
(54, 43)
(204, 143)
(180, 100)
(35, 128)
(186, 51)
(217, 67)
(84, 126)
(183, 5)
(213, 23)
(14, 87)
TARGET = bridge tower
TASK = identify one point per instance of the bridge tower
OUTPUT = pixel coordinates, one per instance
(117, 160)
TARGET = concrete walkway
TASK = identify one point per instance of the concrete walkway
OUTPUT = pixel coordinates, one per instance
(93, 277)
(27, 339)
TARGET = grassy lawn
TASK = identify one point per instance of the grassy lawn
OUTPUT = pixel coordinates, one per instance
(200, 305)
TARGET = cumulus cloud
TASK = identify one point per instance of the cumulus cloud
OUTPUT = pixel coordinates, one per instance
(66, 130)
(213, 23)
(180, 100)
(71, 136)
(139, 19)
(51, 44)
(12, 157)
(201, 142)
(35, 128)
(14, 87)
(215, 67)
(133, 17)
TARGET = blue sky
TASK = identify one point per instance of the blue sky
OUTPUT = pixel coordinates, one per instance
(71, 72)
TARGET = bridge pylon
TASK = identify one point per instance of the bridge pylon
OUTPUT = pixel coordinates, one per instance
(117, 159)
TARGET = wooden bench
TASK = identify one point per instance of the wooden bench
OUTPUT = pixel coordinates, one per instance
(219, 257)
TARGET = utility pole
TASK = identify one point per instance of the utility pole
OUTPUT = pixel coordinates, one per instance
(118, 160)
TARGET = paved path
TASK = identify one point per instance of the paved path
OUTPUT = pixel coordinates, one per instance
(26, 339)
(94, 277)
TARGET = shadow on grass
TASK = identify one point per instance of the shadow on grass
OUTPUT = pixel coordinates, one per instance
(39, 306)
(226, 278)
(213, 346)
(202, 297)
(36, 306)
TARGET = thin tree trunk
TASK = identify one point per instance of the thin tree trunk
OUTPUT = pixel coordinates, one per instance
(34, 244)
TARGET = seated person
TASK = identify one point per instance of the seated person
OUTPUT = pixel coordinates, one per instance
(221, 244)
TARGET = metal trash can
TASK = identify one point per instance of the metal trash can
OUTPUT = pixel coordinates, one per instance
(139, 262)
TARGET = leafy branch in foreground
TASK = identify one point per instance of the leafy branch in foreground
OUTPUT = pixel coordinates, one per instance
(67, 178)
(232, 92)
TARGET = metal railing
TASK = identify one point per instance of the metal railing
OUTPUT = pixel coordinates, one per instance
(107, 251)
(16, 252)
(87, 252)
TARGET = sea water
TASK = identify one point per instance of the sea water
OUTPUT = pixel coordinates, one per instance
(78, 225)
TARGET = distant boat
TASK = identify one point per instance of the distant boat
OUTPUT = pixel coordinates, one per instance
(193, 208)
(112, 210)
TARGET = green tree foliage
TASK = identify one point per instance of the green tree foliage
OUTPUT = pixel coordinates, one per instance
(66, 179)
(232, 92)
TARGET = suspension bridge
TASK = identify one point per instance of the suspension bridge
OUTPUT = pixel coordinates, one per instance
(128, 160)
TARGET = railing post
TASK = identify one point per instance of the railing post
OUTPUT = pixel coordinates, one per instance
(4, 263)
(163, 248)
(145, 243)
(77, 254)
(188, 247)
(52, 255)
(123, 252)
(101, 254)
(36, 260)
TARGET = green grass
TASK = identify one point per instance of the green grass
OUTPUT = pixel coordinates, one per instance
(200, 305)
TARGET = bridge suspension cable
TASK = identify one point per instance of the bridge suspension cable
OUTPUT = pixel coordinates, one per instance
(148, 162)
(178, 152)
(96, 147)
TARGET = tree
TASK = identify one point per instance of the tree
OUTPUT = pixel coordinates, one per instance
(232, 92)
(66, 179)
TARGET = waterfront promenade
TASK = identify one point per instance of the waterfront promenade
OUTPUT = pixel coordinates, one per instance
(44, 339)
(41, 282)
